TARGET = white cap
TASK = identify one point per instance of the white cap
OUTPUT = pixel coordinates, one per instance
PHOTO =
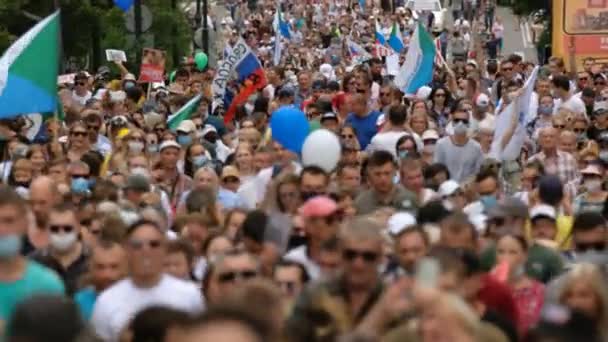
(129, 77)
(543, 210)
(186, 126)
(116, 96)
(169, 143)
(482, 100)
(208, 129)
(327, 70)
(473, 62)
(423, 93)
(448, 187)
(430, 134)
(399, 222)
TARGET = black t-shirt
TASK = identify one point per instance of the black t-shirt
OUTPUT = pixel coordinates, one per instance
(594, 132)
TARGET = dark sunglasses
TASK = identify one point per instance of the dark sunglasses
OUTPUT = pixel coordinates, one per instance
(56, 228)
(507, 69)
(229, 277)
(465, 121)
(351, 255)
(591, 246)
(140, 244)
(79, 134)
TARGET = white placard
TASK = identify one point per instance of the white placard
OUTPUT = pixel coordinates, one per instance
(116, 55)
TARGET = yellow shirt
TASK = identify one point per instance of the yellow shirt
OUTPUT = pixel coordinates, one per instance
(564, 230)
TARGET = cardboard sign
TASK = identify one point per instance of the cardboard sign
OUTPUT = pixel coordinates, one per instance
(66, 79)
(152, 66)
(116, 55)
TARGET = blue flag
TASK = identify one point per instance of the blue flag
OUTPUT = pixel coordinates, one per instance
(123, 4)
(395, 41)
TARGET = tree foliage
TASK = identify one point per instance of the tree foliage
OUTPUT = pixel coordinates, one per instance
(83, 21)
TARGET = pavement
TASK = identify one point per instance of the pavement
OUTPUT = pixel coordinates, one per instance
(518, 37)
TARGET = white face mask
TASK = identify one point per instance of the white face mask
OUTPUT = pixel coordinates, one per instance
(593, 185)
(62, 242)
(135, 146)
(460, 128)
(141, 171)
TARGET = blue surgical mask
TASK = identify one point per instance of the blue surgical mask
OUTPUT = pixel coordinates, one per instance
(545, 110)
(199, 161)
(403, 154)
(80, 185)
(184, 140)
(10, 246)
(488, 201)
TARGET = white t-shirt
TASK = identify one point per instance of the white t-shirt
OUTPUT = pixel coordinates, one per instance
(574, 104)
(387, 141)
(116, 306)
(82, 100)
(299, 255)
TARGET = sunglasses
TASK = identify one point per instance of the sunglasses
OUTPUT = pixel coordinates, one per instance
(351, 255)
(140, 244)
(79, 134)
(464, 121)
(583, 78)
(590, 246)
(507, 69)
(229, 277)
(578, 130)
(56, 228)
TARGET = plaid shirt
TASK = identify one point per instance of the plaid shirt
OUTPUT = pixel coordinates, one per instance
(566, 168)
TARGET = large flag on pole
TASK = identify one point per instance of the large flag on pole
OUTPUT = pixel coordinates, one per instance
(250, 78)
(28, 71)
(124, 5)
(280, 24)
(395, 41)
(380, 39)
(505, 118)
(418, 67)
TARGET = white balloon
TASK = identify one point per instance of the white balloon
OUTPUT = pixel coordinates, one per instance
(322, 148)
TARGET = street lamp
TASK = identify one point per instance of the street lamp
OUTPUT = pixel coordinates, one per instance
(205, 25)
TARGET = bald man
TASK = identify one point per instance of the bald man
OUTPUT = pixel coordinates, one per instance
(44, 194)
(567, 142)
(556, 162)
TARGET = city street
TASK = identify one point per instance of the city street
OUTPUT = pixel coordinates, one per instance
(518, 38)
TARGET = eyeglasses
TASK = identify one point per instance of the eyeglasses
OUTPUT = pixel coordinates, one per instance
(578, 130)
(593, 246)
(56, 228)
(559, 126)
(140, 244)
(229, 277)
(464, 121)
(78, 134)
(347, 136)
(507, 69)
(351, 255)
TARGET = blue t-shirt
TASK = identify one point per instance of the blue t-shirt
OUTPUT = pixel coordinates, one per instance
(85, 299)
(36, 279)
(365, 126)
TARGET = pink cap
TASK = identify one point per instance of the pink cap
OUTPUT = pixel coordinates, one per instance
(319, 206)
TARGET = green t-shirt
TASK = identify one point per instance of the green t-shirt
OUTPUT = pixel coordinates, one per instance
(36, 279)
(543, 263)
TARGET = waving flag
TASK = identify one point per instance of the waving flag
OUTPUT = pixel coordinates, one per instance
(224, 72)
(184, 113)
(251, 78)
(380, 39)
(280, 24)
(356, 50)
(395, 41)
(362, 5)
(28, 71)
(418, 67)
(505, 118)
(124, 4)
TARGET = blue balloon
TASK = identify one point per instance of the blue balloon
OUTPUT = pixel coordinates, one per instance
(289, 128)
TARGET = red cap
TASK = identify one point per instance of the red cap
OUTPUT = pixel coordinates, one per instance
(319, 206)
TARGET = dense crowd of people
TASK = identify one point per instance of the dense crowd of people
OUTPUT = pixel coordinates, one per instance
(119, 225)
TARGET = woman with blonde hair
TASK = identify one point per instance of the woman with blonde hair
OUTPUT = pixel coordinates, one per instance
(418, 122)
(583, 288)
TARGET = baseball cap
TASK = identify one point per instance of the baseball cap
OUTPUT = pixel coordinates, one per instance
(543, 211)
(286, 91)
(186, 126)
(169, 143)
(208, 129)
(318, 85)
(319, 206)
(509, 207)
(448, 187)
(399, 222)
(138, 183)
(329, 116)
(482, 100)
(129, 77)
(473, 63)
(230, 171)
(430, 134)
(600, 107)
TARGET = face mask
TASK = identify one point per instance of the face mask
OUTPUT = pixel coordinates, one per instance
(199, 161)
(184, 140)
(63, 242)
(545, 110)
(80, 185)
(308, 195)
(593, 185)
(10, 246)
(448, 204)
(460, 128)
(152, 148)
(20, 151)
(488, 201)
(403, 154)
(135, 146)
(129, 85)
